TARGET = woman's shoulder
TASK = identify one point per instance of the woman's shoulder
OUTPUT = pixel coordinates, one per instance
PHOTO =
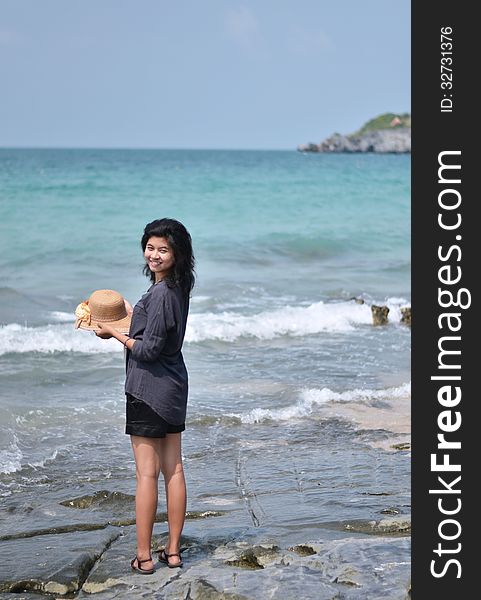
(164, 290)
(161, 288)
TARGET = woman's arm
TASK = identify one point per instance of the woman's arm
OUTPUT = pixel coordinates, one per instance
(160, 318)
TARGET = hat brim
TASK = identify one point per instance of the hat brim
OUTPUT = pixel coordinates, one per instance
(122, 326)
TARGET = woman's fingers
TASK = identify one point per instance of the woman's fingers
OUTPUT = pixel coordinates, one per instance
(103, 332)
(104, 336)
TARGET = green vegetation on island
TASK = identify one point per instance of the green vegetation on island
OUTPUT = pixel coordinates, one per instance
(385, 121)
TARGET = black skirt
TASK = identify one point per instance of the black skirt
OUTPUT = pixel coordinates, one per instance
(144, 421)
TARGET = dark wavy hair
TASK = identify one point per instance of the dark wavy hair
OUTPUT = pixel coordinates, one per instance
(183, 273)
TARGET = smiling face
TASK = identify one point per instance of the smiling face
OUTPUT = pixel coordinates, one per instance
(159, 256)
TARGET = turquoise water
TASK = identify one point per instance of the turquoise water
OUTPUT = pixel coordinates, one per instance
(276, 347)
(72, 220)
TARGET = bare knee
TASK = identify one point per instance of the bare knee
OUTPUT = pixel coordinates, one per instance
(169, 471)
(147, 473)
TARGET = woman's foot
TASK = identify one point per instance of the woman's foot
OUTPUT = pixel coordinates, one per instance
(143, 565)
(172, 559)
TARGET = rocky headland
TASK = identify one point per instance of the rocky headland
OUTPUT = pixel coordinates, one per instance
(387, 133)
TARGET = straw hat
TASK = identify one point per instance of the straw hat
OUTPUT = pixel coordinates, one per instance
(103, 306)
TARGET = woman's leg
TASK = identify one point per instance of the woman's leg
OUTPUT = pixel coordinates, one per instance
(148, 464)
(175, 490)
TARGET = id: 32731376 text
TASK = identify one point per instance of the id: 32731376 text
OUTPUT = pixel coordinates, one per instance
(446, 69)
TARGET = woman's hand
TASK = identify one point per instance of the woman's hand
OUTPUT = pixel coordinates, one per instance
(106, 331)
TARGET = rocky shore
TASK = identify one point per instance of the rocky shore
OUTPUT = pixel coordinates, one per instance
(392, 136)
(223, 565)
(395, 141)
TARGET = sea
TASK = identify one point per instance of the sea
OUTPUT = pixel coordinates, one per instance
(298, 416)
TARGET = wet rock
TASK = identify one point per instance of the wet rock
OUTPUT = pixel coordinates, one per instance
(388, 526)
(54, 530)
(103, 499)
(57, 564)
(112, 575)
(349, 576)
(203, 590)
(303, 550)
(337, 569)
(349, 564)
(357, 300)
(161, 517)
(401, 446)
(194, 548)
(27, 596)
(390, 510)
(204, 514)
(379, 314)
(120, 502)
(275, 581)
(113, 570)
(401, 524)
(189, 515)
(255, 557)
(117, 502)
(406, 316)
(246, 560)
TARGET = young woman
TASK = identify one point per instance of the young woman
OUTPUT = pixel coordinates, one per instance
(157, 383)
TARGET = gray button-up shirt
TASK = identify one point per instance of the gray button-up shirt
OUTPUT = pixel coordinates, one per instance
(155, 369)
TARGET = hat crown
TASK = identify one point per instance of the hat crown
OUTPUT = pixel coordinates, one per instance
(106, 306)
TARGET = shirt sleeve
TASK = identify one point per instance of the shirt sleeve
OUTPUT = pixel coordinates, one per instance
(160, 319)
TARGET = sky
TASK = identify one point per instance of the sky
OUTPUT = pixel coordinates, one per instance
(257, 74)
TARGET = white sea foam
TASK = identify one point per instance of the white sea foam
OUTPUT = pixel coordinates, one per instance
(225, 326)
(11, 457)
(393, 300)
(53, 338)
(289, 320)
(314, 396)
(310, 398)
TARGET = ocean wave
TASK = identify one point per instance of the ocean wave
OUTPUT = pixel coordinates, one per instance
(311, 398)
(289, 320)
(226, 326)
(52, 338)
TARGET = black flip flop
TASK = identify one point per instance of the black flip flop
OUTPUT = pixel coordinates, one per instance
(164, 557)
(139, 568)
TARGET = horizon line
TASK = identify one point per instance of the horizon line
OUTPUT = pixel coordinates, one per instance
(143, 148)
